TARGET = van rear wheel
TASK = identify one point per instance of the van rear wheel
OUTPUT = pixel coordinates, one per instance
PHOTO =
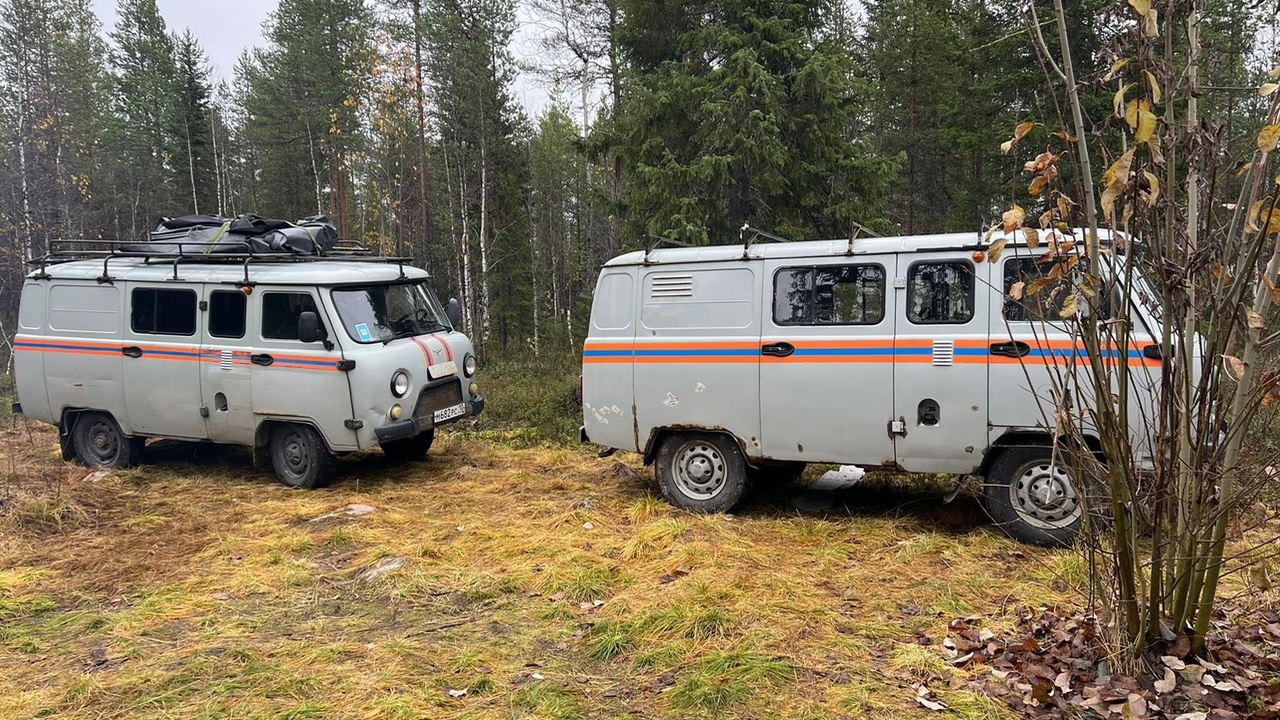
(410, 449)
(98, 441)
(1033, 497)
(702, 472)
(300, 457)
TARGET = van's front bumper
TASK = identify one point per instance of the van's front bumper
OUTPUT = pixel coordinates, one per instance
(412, 427)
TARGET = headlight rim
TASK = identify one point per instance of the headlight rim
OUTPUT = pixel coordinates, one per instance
(408, 384)
(469, 365)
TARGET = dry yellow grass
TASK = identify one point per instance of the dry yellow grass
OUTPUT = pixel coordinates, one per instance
(541, 582)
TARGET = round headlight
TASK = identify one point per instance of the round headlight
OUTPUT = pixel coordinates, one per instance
(400, 383)
(469, 365)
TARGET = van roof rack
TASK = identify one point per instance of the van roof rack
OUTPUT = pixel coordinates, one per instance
(65, 250)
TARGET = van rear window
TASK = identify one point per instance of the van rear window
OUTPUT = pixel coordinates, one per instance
(157, 311)
(829, 295)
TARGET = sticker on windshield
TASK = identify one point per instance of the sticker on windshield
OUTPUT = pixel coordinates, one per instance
(363, 331)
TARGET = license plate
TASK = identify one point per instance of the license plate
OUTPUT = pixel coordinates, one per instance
(444, 369)
(449, 413)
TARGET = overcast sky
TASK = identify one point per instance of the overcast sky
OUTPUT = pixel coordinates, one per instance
(226, 27)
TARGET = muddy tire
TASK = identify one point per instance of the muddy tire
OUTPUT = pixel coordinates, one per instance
(98, 442)
(1033, 498)
(300, 457)
(411, 449)
(702, 472)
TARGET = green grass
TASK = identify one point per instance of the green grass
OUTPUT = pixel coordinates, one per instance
(531, 403)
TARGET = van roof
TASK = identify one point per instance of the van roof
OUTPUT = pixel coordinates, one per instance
(279, 272)
(828, 248)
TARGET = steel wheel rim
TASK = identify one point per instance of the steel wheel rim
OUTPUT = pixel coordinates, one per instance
(294, 453)
(104, 441)
(1045, 496)
(699, 470)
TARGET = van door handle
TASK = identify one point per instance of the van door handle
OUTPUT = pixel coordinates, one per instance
(132, 351)
(781, 349)
(1016, 348)
(263, 359)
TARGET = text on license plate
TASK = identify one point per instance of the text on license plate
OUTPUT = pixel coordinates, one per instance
(449, 413)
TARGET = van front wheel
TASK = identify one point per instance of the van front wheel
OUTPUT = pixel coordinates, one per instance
(701, 472)
(1034, 497)
(98, 441)
(300, 457)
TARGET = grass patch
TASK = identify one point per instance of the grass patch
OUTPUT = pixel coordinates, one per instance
(723, 679)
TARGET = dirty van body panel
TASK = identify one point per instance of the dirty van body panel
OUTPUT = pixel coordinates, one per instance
(827, 352)
(28, 358)
(940, 363)
(608, 357)
(161, 360)
(296, 381)
(697, 352)
(80, 347)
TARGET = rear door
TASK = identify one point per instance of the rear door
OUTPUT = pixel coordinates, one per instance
(161, 365)
(826, 373)
(940, 353)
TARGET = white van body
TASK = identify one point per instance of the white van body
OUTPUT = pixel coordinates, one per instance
(118, 349)
(899, 352)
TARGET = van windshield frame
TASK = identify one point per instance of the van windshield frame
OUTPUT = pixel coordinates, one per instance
(384, 312)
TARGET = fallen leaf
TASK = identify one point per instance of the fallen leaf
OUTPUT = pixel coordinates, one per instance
(458, 693)
(1168, 684)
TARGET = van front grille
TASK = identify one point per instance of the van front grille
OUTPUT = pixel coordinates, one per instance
(438, 397)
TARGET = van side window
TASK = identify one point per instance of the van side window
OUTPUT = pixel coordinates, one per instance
(940, 293)
(829, 295)
(280, 313)
(1045, 304)
(227, 313)
(156, 311)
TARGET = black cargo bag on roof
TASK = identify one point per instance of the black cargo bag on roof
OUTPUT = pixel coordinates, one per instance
(209, 234)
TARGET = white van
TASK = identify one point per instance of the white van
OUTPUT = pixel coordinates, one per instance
(301, 358)
(724, 363)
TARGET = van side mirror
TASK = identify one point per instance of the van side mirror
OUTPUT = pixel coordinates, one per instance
(454, 312)
(309, 329)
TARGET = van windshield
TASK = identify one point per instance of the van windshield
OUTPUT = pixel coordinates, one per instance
(382, 313)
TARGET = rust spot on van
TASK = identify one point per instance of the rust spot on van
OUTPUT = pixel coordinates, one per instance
(799, 447)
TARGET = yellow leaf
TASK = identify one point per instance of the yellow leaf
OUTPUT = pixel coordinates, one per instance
(1235, 364)
(1065, 136)
(1024, 129)
(1268, 138)
(1037, 285)
(1117, 102)
(1005, 147)
(1013, 218)
(1155, 87)
(1108, 202)
(1142, 6)
(1131, 113)
(1117, 176)
(1153, 188)
(1046, 219)
(1243, 168)
(1267, 89)
(1146, 125)
(1255, 319)
(1151, 23)
(1275, 73)
(1070, 307)
(1015, 292)
(1272, 290)
(996, 250)
(1116, 67)
(1037, 184)
(1033, 237)
(1270, 219)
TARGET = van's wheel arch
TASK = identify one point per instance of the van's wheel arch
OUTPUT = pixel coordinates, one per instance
(95, 438)
(1034, 496)
(299, 455)
(700, 471)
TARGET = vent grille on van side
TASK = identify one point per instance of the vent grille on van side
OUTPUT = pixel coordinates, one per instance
(944, 352)
(672, 286)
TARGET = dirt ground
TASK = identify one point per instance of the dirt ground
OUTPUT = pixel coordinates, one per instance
(485, 582)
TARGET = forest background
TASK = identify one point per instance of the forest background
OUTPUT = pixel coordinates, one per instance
(686, 120)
